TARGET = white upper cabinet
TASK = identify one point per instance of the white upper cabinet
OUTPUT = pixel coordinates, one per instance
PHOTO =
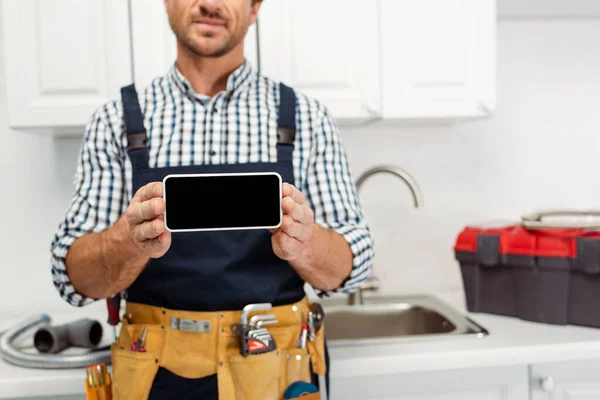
(63, 59)
(154, 43)
(363, 59)
(438, 58)
(328, 50)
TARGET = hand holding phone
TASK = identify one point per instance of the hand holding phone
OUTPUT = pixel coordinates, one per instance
(297, 226)
(145, 221)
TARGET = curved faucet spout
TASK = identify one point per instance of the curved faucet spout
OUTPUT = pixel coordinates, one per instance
(400, 173)
(372, 283)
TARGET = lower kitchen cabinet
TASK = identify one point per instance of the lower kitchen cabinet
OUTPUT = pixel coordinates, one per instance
(496, 383)
(576, 380)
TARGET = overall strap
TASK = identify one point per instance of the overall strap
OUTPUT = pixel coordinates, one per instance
(137, 139)
(286, 130)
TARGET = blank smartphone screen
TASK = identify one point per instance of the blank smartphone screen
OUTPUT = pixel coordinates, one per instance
(205, 202)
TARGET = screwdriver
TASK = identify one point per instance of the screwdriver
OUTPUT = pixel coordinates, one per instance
(113, 305)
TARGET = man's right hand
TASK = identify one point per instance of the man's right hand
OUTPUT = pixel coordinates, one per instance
(145, 221)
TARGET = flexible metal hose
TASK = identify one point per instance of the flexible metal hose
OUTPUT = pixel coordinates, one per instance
(44, 361)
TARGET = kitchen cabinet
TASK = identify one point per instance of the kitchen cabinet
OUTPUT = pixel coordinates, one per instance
(328, 50)
(494, 383)
(390, 59)
(438, 58)
(364, 60)
(154, 43)
(63, 59)
(572, 380)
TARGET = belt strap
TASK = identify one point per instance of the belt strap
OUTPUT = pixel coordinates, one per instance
(200, 321)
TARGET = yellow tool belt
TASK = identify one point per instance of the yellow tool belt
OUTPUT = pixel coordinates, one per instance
(213, 349)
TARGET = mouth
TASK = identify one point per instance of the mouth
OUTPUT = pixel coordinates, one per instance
(208, 23)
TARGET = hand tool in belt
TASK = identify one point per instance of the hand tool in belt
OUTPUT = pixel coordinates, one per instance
(138, 345)
(315, 319)
(253, 338)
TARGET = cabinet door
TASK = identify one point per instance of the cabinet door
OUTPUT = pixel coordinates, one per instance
(438, 58)
(574, 380)
(154, 43)
(497, 383)
(63, 59)
(328, 50)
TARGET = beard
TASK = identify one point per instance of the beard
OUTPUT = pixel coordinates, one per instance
(208, 44)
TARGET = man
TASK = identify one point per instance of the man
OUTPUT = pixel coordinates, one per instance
(210, 113)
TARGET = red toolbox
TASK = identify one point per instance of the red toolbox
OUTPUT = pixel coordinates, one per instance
(536, 270)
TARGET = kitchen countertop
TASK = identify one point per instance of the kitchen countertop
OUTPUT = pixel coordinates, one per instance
(510, 342)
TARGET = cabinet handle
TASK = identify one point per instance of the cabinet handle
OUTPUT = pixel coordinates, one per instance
(547, 384)
(485, 107)
(371, 107)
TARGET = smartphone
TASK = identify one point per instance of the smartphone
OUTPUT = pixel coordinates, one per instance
(227, 201)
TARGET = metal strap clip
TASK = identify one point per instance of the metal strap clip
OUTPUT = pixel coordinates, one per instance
(189, 325)
(286, 136)
(136, 141)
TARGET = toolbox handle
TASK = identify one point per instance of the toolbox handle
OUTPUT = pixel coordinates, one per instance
(535, 220)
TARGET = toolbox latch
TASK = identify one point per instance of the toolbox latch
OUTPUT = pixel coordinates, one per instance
(488, 250)
(588, 255)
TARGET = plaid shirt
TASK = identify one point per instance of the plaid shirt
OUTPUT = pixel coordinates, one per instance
(238, 125)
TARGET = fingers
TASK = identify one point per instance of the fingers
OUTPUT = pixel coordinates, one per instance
(288, 190)
(284, 246)
(149, 191)
(145, 211)
(298, 218)
(149, 230)
(300, 213)
(158, 246)
(296, 230)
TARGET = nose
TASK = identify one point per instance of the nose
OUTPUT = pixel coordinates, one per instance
(210, 7)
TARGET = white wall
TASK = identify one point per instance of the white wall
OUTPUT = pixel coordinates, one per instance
(36, 172)
(540, 150)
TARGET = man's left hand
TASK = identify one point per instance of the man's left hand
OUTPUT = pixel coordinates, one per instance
(296, 230)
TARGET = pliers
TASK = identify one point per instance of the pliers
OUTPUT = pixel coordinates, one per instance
(138, 345)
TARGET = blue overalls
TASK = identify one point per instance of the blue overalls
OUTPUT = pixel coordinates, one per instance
(211, 271)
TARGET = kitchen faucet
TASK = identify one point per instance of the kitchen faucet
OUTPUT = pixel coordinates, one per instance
(372, 282)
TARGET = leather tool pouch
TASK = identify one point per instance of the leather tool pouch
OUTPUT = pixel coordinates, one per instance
(195, 355)
(316, 348)
(266, 376)
(134, 372)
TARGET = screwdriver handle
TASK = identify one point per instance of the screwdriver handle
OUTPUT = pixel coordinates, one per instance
(113, 305)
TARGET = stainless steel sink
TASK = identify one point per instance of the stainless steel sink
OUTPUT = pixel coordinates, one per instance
(393, 318)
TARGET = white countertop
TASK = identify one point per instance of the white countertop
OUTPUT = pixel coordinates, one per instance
(510, 342)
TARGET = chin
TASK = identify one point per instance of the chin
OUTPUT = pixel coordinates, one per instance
(209, 46)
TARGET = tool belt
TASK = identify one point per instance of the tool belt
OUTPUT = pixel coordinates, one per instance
(199, 344)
